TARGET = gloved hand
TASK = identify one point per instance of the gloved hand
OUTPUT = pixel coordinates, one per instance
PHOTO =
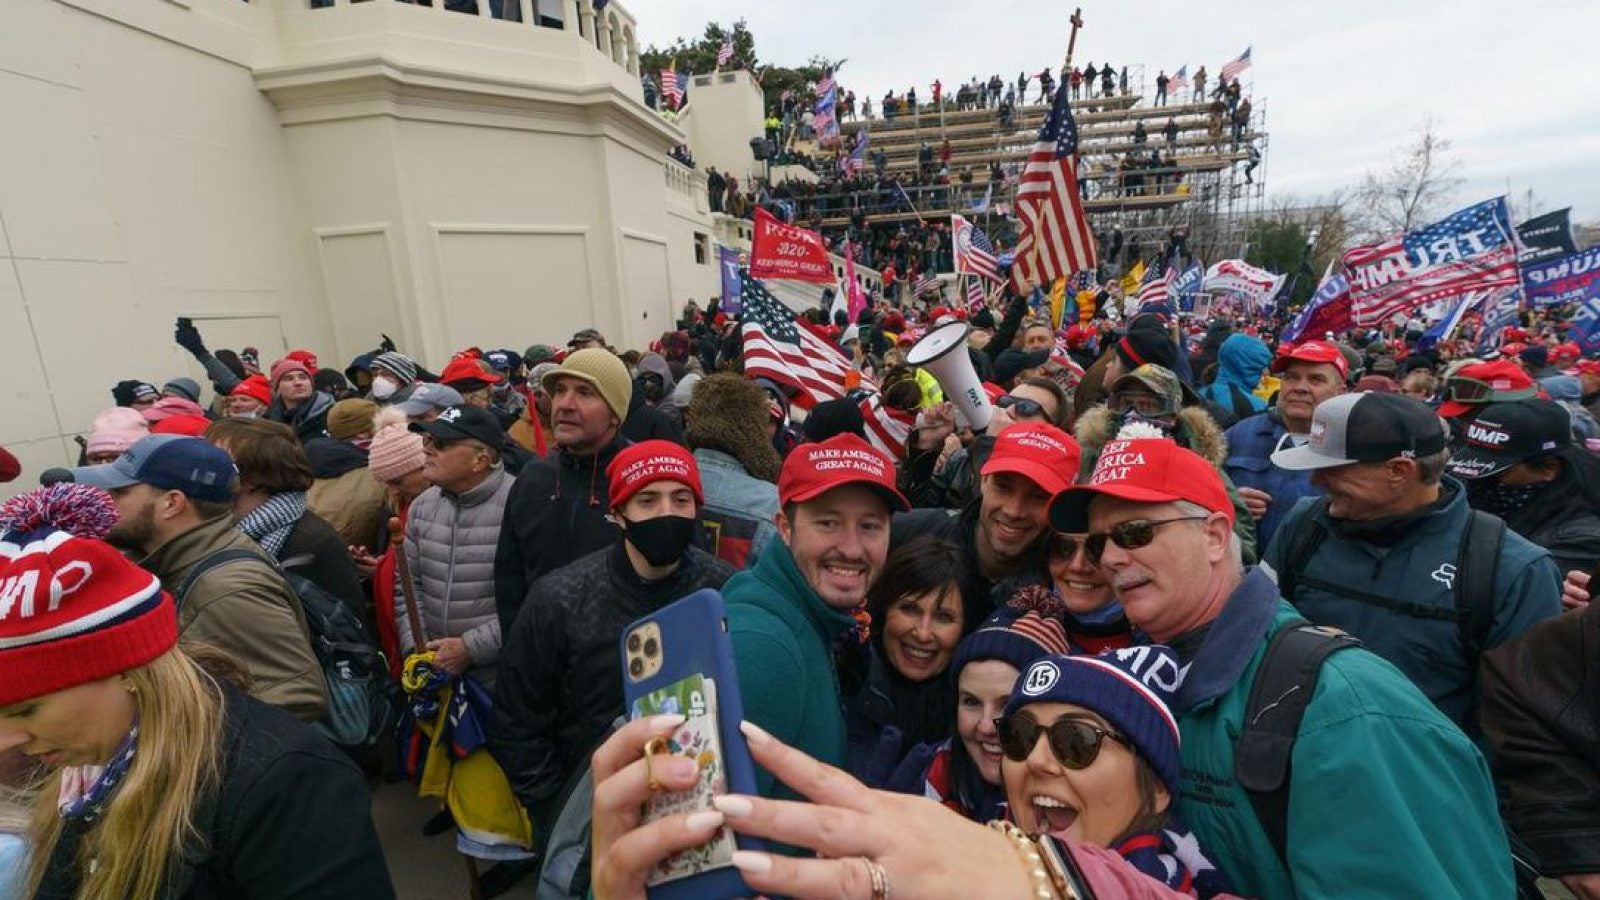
(188, 337)
(880, 765)
(908, 777)
(388, 344)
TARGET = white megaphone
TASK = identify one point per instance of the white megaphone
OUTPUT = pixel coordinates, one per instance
(943, 352)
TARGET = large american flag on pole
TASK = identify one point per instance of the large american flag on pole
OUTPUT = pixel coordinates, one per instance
(725, 53)
(1180, 79)
(776, 347)
(1235, 67)
(974, 250)
(1473, 249)
(669, 86)
(1056, 240)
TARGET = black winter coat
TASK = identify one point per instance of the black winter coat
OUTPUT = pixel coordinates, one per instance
(1541, 714)
(292, 820)
(556, 513)
(1563, 520)
(560, 681)
(317, 553)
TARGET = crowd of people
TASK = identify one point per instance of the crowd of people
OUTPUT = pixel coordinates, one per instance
(1291, 618)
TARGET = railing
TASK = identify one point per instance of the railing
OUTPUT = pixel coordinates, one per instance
(612, 31)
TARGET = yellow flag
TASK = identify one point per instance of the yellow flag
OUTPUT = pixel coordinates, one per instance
(1086, 306)
(1130, 281)
(1058, 301)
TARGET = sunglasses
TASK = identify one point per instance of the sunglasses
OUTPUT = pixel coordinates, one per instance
(1128, 535)
(1030, 409)
(1075, 742)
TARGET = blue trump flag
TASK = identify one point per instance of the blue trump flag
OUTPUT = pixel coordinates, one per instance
(732, 279)
(1186, 285)
(1499, 313)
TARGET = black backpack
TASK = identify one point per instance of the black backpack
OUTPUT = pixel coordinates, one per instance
(354, 670)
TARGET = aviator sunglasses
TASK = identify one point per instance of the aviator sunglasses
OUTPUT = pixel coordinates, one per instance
(1129, 535)
(1074, 742)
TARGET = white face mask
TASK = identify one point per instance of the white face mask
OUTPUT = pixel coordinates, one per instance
(383, 388)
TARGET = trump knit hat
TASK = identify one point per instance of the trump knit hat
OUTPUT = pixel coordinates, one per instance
(1132, 689)
(1039, 452)
(1370, 427)
(1142, 470)
(640, 465)
(76, 610)
(814, 469)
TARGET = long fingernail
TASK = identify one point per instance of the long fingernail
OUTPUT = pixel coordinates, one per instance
(662, 723)
(753, 733)
(703, 820)
(735, 806)
(751, 861)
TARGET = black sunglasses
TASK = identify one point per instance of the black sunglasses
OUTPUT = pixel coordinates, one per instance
(1064, 546)
(1075, 742)
(1031, 409)
(1128, 535)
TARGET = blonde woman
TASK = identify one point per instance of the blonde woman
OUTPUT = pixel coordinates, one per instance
(152, 777)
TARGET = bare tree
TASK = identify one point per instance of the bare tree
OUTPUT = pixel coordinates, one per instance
(1408, 195)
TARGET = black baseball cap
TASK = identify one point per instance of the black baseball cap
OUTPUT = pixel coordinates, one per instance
(1013, 362)
(1367, 427)
(463, 422)
(1504, 434)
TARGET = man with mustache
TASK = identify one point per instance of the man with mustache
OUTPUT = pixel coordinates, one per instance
(557, 509)
(804, 593)
(1382, 789)
(1003, 533)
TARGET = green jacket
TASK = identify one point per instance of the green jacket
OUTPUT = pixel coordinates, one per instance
(783, 636)
(1387, 797)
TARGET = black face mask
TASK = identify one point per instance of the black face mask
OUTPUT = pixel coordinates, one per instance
(663, 540)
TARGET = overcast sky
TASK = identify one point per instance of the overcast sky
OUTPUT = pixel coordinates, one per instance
(1343, 85)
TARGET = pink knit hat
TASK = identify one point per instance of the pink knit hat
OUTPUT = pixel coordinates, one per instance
(283, 367)
(395, 452)
(167, 407)
(116, 429)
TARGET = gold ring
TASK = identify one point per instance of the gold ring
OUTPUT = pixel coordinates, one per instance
(655, 745)
(879, 879)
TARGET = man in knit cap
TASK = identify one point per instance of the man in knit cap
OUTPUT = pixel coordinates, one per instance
(344, 493)
(295, 400)
(135, 394)
(557, 510)
(250, 397)
(187, 388)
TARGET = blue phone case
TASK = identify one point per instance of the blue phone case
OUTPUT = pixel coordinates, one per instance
(694, 640)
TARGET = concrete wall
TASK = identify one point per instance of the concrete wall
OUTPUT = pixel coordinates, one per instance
(723, 114)
(292, 177)
(140, 179)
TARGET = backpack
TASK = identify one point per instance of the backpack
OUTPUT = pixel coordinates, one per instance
(1477, 560)
(1282, 690)
(354, 670)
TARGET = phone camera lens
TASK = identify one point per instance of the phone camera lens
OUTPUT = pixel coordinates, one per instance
(651, 648)
(633, 643)
(636, 667)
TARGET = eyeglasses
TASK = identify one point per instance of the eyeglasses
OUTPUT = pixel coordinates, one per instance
(1028, 409)
(1075, 742)
(1128, 535)
(1064, 546)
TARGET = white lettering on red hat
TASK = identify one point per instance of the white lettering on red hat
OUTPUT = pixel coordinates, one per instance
(1116, 460)
(827, 459)
(24, 586)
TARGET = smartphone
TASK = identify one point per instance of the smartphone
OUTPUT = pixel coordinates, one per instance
(680, 660)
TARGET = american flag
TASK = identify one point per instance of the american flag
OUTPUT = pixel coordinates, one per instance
(1234, 68)
(1056, 240)
(726, 53)
(776, 347)
(670, 89)
(928, 283)
(1179, 80)
(975, 297)
(1155, 295)
(1470, 250)
(825, 120)
(825, 84)
(856, 162)
(887, 427)
(974, 250)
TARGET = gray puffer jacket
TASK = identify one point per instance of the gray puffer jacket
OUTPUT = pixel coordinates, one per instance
(450, 547)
